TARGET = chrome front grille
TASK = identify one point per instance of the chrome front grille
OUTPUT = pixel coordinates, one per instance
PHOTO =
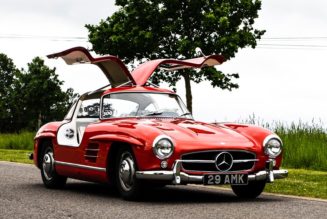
(206, 161)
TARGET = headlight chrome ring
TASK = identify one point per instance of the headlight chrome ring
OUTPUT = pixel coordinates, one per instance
(273, 146)
(163, 147)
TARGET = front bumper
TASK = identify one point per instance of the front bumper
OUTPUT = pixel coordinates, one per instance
(176, 176)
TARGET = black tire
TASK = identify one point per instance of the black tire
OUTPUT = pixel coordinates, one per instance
(250, 191)
(50, 178)
(128, 186)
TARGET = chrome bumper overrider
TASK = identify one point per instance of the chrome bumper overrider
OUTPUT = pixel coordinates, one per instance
(177, 177)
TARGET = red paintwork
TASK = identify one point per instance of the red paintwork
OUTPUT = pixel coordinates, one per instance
(95, 61)
(137, 89)
(143, 72)
(188, 135)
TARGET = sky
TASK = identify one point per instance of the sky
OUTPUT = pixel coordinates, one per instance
(283, 79)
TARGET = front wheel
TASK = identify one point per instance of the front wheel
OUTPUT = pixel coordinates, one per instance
(129, 187)
(49, 175)
(250, 191)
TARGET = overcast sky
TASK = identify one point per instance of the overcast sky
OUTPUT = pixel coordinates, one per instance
(280, 80)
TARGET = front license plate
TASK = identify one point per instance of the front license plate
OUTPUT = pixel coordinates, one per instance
(225, 179)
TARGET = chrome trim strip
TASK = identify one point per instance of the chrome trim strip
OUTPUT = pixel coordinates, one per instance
(246, 160)
(198, 161)
(80, 166)
(88, 149)
(156, 140)
(180, 177)
(267, 139)
(213, 161)
(92, 156)
(186, 178)
(228, 150)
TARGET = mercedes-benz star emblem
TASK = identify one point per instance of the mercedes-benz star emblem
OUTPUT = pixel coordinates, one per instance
(224, 161)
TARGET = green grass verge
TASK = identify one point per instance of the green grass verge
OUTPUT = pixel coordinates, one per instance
(301, 182)
(22, 141)
(305, 146)
(20, 156)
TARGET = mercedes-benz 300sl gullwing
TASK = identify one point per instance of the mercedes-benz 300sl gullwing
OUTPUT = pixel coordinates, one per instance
(132, 133)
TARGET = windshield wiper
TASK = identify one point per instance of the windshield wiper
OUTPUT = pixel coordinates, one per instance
(185, 114)
(156, 113)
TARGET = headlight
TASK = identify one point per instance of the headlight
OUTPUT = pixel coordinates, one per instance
(272, 146)
(163, 147)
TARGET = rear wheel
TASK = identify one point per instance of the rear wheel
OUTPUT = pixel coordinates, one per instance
(250, 191)
(49, 175)
(129, 187)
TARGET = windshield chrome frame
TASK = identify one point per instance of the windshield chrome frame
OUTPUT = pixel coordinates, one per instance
(179, 101)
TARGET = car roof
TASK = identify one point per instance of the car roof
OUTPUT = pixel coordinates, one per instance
(137, 89)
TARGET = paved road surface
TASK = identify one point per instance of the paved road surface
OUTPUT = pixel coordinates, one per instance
(22, 195)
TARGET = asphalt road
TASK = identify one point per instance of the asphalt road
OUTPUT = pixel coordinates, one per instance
(22, 195)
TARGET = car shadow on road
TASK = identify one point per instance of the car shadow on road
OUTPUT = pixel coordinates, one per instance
(168, 194)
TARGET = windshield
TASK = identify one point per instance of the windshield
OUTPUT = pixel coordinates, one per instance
(120, 105)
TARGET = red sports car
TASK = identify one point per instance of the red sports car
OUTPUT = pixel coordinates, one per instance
(132, 133)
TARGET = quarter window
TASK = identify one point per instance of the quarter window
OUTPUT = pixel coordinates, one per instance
(89, 109)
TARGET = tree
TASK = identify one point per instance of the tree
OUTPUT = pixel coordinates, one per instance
(29, 98)
(173, 29)
(40, 96)
(8, 73)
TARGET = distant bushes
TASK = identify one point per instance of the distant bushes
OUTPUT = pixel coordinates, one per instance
(305, 145)
(22, 141)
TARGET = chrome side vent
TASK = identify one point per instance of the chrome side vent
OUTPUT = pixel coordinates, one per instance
(91, 152)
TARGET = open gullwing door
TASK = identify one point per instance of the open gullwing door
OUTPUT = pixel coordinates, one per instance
(113, 68)
(144, 71)
(118, 74)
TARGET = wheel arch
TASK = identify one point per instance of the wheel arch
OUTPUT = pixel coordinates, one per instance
(115, 147)
(39, 145)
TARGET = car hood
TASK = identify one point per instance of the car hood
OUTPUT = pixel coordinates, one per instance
(189, 134)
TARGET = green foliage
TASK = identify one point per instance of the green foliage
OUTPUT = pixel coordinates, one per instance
(32, 97)
(22, 141)
(20, 156)
(301, 182)
(305, 144)
(41, 94)
(173, 29)
(8, 73)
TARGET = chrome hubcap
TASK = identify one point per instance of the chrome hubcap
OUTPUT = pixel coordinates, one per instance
(48, 165)
(126, 171)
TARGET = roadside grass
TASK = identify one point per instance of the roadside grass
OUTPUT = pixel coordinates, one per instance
(22, 141)
(305, 143)
(301, 182)
(305, 146)
(20, 156)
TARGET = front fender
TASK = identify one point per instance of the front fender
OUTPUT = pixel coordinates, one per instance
(115, 137)
(47, 131)
(256, 134)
